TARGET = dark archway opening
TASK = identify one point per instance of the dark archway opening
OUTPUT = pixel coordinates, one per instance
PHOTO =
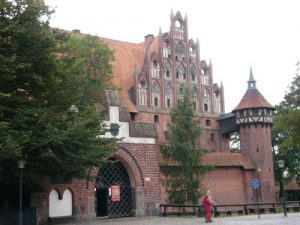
(112, 179)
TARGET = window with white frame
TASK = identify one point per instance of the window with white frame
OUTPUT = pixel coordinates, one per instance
(206, 101)
(169, 96)
(166, 49)
(156, 95)
(142, 93)
(180, 73)
(155, 69)
(195, 98)
(180, 51)
(168, 71)
(193, 73)
(217, 103)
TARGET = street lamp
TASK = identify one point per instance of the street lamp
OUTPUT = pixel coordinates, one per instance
(281, 165)
(21, 165)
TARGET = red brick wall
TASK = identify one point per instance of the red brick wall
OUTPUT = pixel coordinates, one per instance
(228, 184)
(218, 143)
(256, 144)
(142, 163)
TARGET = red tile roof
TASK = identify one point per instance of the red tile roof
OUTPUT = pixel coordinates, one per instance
(222, 159)
(128, 56)
(253, 99)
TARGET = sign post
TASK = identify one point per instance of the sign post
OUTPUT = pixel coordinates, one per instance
(255, 185)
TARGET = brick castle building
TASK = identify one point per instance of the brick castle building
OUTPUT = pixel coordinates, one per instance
(151, 76)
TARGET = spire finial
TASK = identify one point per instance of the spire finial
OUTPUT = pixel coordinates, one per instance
(159, 33)
(251, 81)
(172, 14)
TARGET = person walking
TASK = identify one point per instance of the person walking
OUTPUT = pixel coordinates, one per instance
(207, 204)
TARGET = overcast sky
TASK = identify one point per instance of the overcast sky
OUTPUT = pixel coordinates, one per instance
(234, 34)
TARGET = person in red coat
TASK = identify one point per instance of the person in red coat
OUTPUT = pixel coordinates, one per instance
(207, 204)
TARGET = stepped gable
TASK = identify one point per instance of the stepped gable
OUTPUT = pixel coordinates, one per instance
(128, 57)
(226, 159)
(253, 98)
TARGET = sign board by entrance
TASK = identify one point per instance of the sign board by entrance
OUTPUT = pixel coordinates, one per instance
(115, 193)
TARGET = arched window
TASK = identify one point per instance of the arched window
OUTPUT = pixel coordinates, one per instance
(166, 49)
(155, 69)
(142, 93)
(60, 207)
(180, 92)
(217, 100)
(204, 73)
(193, 73)
(180, 73)
(206, 101)
(179, 29)
(180, 51)
(192, 51)
(156, 95)
(169, 96)
(195, 98)
(168, 71)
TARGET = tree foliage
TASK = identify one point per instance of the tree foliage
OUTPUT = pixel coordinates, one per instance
(181, 157)
(286, 132)
(43, 72)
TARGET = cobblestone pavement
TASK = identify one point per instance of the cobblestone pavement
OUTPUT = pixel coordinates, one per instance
(265, 219)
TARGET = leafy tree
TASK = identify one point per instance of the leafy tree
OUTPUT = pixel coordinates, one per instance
(286, 133)
(43, 72)
(181, 157)
(235, 145)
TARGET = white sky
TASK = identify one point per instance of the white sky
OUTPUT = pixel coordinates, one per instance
(234, 34)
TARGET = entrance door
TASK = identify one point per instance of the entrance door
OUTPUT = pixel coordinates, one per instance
(102, 202)
(114, 174)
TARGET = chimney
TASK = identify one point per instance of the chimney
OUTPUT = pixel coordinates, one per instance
(76, 31)
(148, 39)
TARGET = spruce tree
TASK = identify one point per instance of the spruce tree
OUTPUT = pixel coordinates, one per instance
(181, 156)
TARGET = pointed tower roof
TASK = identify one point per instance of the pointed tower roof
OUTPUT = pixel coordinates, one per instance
(253, 98)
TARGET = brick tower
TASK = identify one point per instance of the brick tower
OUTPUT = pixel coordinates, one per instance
(254, 118)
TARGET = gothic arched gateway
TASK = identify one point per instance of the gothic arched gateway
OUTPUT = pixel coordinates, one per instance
(113, 191)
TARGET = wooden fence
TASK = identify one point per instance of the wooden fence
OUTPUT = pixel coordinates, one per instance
(227, 209)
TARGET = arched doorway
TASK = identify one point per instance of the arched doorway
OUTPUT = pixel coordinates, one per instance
(113, 191)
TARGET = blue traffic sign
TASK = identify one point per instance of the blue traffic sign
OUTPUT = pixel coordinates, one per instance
(255, 183)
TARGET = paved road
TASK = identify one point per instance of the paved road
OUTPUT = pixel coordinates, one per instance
(265, 219)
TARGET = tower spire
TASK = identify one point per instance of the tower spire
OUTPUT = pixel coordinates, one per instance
(251, 81)
(172, 14)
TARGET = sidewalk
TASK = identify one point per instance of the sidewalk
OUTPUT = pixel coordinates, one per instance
(265, 219)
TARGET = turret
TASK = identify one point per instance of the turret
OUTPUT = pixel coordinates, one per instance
(254, 118)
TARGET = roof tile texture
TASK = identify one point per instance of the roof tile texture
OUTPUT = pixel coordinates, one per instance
(253, 99)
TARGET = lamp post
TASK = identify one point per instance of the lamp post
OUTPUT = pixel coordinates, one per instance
(21, 165)
(281, 165)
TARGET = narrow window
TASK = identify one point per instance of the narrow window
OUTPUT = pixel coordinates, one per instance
(169, 103)
(205, 107)
(132, 116)
(212, 137)
(166, 135)
(156, 119)
(155, 102)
